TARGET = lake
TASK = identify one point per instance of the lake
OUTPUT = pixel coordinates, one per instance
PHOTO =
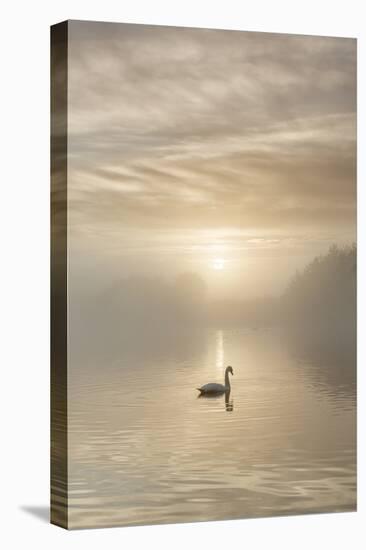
(144, 449)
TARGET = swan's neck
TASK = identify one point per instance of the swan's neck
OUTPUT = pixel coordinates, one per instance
(227, 381)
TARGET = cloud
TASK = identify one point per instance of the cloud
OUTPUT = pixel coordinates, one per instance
(201, 131)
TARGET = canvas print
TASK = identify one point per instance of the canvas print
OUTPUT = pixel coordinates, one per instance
(203, 303)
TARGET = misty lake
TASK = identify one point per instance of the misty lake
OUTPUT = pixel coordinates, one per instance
(143, 448)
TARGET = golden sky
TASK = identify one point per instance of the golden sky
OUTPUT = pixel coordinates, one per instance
(191, 147)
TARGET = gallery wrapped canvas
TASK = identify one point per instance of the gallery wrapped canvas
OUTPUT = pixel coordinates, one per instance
(203, 266)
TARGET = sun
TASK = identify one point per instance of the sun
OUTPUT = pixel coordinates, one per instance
(218, 264)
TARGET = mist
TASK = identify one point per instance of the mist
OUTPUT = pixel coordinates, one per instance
(317, 309)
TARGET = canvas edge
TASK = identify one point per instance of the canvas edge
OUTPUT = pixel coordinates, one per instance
(58, 143)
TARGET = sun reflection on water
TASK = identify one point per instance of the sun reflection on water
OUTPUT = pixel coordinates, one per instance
(219, 351)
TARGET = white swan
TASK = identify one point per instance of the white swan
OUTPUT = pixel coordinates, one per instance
(213, 388)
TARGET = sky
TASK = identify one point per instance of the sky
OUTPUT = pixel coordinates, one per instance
(229, 154)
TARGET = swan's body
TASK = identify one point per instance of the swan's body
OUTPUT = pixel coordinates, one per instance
(212, 388)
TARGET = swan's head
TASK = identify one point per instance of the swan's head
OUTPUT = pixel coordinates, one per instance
(230, 369)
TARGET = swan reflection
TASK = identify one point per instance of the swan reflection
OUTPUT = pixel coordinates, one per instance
(229, 403)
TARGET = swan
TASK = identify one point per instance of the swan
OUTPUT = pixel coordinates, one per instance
(213, 388)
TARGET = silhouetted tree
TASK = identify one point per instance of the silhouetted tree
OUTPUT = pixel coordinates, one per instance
(323, 296)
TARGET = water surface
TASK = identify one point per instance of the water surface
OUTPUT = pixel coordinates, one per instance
(144, 449)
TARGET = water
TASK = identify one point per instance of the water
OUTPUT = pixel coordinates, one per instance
(144, 449)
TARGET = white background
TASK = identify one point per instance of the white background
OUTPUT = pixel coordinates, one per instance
(24, 287)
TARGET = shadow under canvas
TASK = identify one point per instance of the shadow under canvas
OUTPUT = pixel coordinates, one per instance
(40, 512)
